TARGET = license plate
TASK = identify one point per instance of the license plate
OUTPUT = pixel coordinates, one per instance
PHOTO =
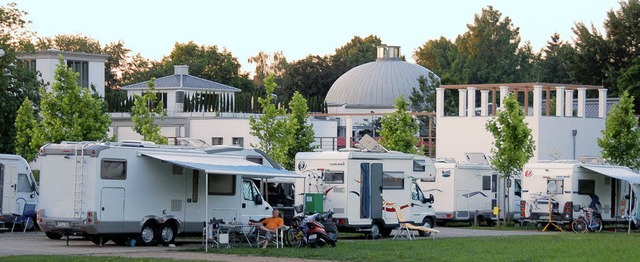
(62, 224)
(312, 237)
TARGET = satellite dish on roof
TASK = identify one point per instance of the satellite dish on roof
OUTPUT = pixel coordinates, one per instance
(368, 143)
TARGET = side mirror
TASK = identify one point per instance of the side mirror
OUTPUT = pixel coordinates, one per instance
(428, 200)
(258, 199)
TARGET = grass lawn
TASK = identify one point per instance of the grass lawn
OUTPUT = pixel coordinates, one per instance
(606, 246)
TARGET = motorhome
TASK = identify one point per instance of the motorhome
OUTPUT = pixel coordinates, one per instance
(363, 189)
(470, 192)
(570, 184)
(18, 187)
(128, 190)
(279, 192)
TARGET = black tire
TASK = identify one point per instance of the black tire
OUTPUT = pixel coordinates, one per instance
(99, 239)
(294, 237)
(375, 231)
(426, 222)
(147, 235)
(166, 234)
(328, 240)
(597, 221)
(579, 226)
(53, 235)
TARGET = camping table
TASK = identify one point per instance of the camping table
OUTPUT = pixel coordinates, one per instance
(242, 230)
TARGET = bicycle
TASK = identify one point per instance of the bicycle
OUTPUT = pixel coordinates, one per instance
(588, 220)
(295, 235)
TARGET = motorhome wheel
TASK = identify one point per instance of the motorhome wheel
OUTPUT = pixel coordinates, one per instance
(426, 222)
(166, 235)
(147, 235)
(375, 231)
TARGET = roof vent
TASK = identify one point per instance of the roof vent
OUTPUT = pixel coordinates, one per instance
(180, 69)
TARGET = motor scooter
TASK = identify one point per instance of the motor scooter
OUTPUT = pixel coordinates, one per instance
(320, 229)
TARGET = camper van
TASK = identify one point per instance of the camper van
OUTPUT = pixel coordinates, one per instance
(136, 190)
(279, 192)
(469, 192)
(569, 184)
(18, 187)
(364, 189)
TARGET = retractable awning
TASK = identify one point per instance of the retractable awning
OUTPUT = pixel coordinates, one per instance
(226, 165)
(618, 172)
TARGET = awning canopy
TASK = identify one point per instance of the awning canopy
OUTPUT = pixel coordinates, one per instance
(618, 172)
(217, 164)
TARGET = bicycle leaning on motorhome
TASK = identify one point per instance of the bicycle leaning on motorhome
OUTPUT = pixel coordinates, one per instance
(589, 220)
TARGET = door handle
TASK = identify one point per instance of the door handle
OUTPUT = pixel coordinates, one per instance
(244, 205)
(102, 208)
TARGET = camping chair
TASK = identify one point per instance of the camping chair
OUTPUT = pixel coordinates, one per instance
(24, 219)
(276, 238)
(216, 234)
(405, 227)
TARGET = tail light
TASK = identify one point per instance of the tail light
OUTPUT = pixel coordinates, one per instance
(523, 208)
(568, 210)
(91, 217)
(341, 221)
(448, 215)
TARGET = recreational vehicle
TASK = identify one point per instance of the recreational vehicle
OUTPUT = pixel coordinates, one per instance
(570, 184)
(129, 190)
(364, 189)
(470, 191)
(279, 192)
(18, 188)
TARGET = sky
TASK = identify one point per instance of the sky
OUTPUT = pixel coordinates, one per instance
(296, 27)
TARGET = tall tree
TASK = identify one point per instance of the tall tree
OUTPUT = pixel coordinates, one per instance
(423, 99)
(71, 112)
(302, 131)
(438, 56)
(17, 81)
(589, 59)
(488, 51)
(270, 128)
(555, 61)
(623, 35)
(399, 129)
(356, 52)
(513, 143)
(26, 123)
(145, 110)
(310, 76)
(620, 142)
(268, 65)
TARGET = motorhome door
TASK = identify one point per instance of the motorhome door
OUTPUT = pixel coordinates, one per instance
(371, 190)
(9, 197)
(112, 207)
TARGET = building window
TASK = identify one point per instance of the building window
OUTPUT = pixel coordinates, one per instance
(162, 97)
(29, 64)
(215, 141)
(238, 141)
(81, 67)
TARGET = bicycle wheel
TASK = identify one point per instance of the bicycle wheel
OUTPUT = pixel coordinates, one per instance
(596, 225)
(579, 226)
(293, 237)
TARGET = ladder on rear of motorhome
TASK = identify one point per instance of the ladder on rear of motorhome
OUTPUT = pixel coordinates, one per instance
(78, 179)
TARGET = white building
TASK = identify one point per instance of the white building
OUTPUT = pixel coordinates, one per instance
(90, 66)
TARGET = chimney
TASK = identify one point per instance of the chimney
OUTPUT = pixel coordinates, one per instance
(180, 69)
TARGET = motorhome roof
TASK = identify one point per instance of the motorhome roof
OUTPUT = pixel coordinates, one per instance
(354, 155)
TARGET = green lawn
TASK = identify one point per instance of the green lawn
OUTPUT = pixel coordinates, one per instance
(606, 246)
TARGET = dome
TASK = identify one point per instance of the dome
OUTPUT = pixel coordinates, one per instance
(376, 84)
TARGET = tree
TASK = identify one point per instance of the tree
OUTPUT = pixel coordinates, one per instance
(144, 111)
(302, 131)
(620, 142)
(17, 82)
(589, 59)
(438, 56)
(423, 99)
(268, 65)
(399, 129)
(311, 76)
(356, 52)
(71, 112)
(513, 143)
(26, 123)
(270, 128)
(555, 60)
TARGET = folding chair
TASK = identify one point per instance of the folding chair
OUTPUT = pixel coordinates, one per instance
(405, 227)
(276, 238)
(216, 235)
(24, 219)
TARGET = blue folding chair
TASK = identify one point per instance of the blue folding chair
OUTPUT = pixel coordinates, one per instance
(25, 219)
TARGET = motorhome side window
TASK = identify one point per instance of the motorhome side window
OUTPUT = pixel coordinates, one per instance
(392, 180)
(23, 184)
(222, 185)
(419, 165)
(255, 159)
(486, 183)
(249, 192)
(416, 192)
(586, 186)
(333, 177)
(113, 169)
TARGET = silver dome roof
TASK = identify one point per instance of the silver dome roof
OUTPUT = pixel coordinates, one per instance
(376, 84)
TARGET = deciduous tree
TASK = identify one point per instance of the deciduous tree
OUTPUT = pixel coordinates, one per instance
(26, 123)
(145, 110)
(302, 131)
(620, 142)
(399, 129)
(271, 128)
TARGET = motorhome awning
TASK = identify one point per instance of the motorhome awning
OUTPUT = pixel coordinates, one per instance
(226, 165)
(618, 172)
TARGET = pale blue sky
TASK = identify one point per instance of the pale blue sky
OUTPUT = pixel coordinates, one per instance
(297, 27)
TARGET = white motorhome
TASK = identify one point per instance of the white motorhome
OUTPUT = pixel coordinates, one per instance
(570, 184)
(279, 192)
(121, 191)
(363, 189)
(469, 192)
(18, 187)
